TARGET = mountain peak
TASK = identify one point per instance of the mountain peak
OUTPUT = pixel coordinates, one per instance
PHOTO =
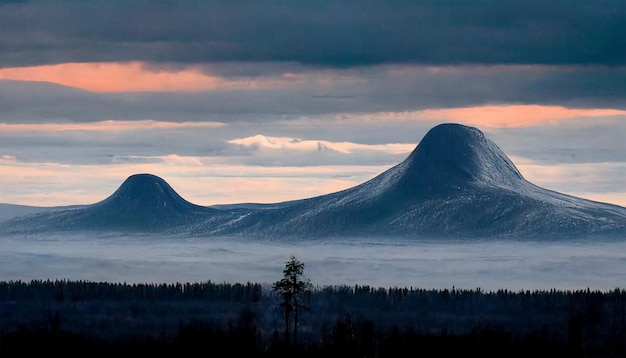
(145, 200)
(452, 156)
(144, 189)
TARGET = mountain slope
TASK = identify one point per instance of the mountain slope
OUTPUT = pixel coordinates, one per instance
(456, 183)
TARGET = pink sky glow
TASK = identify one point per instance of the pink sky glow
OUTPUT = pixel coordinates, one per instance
(496, 116)
(104, 126)
(122, 77)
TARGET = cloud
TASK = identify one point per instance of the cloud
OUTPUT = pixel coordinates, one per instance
(134, 77)
(105, 126)
(573, 141)
(105, 142)
(7, 159)
(514, 115)
(340, 92)
(595, 181)
(113, 77)
(261, 142)
(121, 142)
(326, 33)
(553, 135)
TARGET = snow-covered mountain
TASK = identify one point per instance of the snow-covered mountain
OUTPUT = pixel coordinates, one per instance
(144, 203)
(456, 183)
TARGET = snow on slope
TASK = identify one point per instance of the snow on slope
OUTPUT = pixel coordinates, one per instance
(456, 183)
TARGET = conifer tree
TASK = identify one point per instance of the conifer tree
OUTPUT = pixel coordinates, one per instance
(292, 287)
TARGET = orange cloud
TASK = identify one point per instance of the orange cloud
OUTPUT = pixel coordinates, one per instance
(120, 77)
(105, 126)
(488, 116)
(137, 77)
(513, 115)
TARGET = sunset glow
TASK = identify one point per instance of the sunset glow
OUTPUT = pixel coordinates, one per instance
(106, 126)
(118, 77)
(514, 115)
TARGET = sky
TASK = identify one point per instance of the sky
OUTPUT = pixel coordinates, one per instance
(267, 101)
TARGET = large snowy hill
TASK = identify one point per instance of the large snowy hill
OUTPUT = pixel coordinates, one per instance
(456, 183)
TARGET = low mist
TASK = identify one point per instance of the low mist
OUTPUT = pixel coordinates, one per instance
(489, 265)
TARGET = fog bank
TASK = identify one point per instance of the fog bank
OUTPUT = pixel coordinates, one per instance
(486, 264)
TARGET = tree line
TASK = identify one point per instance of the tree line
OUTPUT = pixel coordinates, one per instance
(252, 319)
(61, 290)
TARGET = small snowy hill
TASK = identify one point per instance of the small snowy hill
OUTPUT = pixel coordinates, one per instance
(456, 183)
(144, 202)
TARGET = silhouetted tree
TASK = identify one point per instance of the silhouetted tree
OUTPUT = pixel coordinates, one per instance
(293, 286)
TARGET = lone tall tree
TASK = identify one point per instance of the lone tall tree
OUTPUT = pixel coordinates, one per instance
(292, 287)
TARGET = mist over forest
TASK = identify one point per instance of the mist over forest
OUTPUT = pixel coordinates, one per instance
(111, 295)
(433, 264)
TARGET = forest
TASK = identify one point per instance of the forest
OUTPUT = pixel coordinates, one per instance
(71, 318)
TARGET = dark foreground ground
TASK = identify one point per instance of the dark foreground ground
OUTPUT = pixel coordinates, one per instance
(77, 318)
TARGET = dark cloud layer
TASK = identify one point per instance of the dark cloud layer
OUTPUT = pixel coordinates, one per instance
(321, 32)
(377, 89)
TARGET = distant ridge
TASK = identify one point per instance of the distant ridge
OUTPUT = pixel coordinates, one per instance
(456, 183)
(144, 202)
